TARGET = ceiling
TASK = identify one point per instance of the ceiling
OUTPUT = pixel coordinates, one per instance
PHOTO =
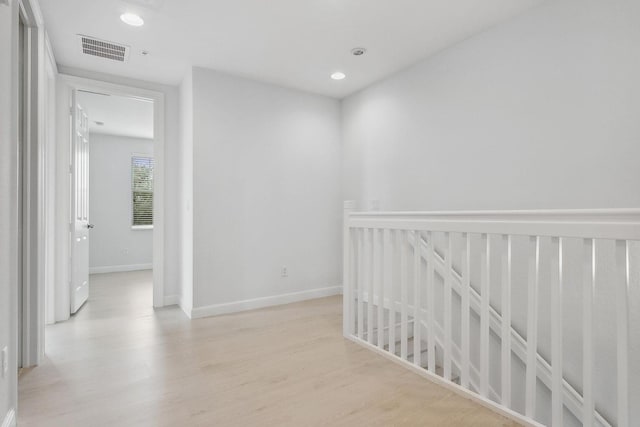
(293, 43)
(122, 116)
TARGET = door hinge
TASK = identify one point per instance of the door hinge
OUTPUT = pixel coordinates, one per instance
(70, 168)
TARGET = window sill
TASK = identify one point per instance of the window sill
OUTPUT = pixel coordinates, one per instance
(142, 227)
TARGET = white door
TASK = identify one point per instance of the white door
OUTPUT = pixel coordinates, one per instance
(79, 205)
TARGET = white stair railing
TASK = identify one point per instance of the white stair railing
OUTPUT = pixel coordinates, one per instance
(384, 275)
(572, 399)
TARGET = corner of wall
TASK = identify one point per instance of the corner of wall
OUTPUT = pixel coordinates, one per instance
(186, 305)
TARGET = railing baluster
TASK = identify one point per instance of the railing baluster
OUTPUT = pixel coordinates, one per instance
(557, 407)
(622, 308)
(347, 282)
(506, 321)
(353, 322)
(448, 278)
(349, 272)
(369, 275)
(588, 406)
(431, 336)
(417, 300)
(378, 265)
(464, 336)
(361, 282)
(484, 315)
(532, 326)
(354, 282)
(393, 274)
(404, 327)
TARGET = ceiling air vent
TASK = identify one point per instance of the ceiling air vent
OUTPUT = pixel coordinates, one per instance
(103, 49)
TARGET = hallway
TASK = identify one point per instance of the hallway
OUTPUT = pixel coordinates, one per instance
(119, 362)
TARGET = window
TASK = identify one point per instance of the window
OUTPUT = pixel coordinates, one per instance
(142, 191)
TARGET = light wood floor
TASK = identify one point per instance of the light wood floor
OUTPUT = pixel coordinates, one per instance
(118, 362)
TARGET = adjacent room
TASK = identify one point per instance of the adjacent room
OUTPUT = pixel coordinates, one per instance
(120, 202)
(120, 182)
(320, 213)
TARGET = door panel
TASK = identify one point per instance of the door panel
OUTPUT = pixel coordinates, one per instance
(79, 206)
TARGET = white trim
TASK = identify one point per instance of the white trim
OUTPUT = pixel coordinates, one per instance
(10, 419)
(47, 167)
(159, 169)
(119, 268)
(33, 234)
(49, 52)
(623, 224)
(9, 217)
(171, 300)
(547, 214)
(487, 403)
(252, 304)
(36, 12)
(141, 227)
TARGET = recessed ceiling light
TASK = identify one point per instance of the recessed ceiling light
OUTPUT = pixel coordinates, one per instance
(132, 19)
(338, 75)
(358, 51)
(99, 123)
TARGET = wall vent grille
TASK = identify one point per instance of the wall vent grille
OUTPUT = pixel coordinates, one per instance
(103, 49)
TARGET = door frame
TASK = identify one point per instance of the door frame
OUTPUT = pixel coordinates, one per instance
(48, 190)
(91, 85)
(30, 182)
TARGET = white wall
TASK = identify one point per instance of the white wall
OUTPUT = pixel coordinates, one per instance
(172, 171)
(114, 245)
(266, 192)
(8, 259)
(539, 112)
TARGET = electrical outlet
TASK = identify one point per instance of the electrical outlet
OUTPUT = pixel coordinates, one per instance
(284, 272)
(5, 361)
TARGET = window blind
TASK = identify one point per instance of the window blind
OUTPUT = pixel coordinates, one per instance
(142, 190)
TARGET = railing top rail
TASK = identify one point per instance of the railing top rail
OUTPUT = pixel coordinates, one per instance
(621, 224)
(534, 213)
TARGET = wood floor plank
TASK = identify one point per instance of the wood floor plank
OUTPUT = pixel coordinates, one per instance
(119, 362)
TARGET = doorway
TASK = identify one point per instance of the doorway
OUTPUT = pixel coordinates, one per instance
(111, 114)
(117, 184)
(29, 192)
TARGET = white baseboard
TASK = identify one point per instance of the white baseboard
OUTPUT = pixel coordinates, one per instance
(252, 304)
(171, 300)
(10, 419)
(119, 268)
